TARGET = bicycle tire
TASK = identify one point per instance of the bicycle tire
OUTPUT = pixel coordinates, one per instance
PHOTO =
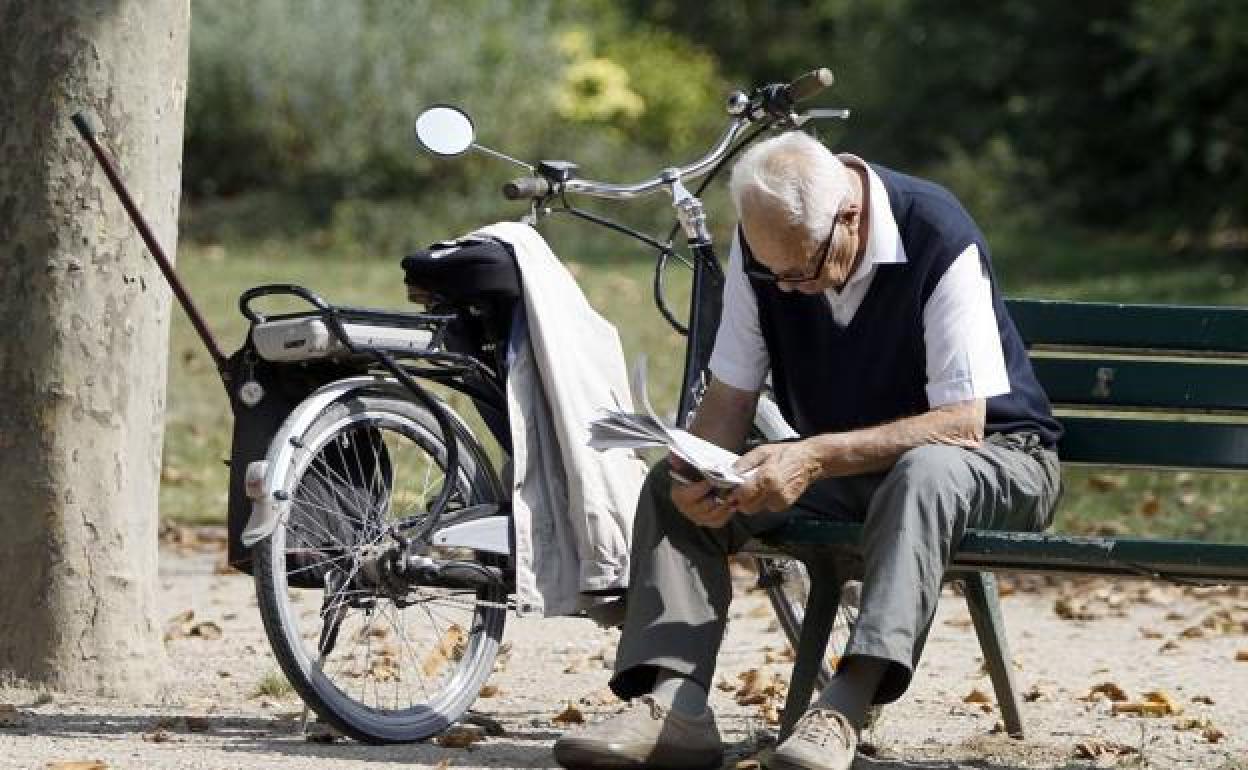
(460, 654)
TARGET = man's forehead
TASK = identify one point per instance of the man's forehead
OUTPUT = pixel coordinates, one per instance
(767, 229)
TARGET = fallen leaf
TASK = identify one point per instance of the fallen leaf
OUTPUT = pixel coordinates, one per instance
(450, 648)
(1212, 734)
(1192, 632)
(1168, 646)
(1149, 633)
(1108, 689)
(569, 716)
(1205, 699)
(748, 764)
(783, 656)
(1242, 656)
(78, 764)
(1033, 695)
(1193, 724)
(1155, 704)
(977, 696)
(769, 713)
(1098, 749)
(725, 686)
(489, 691)
(460, 736)
(205, 630)
(1150, 505)
(1162, 697)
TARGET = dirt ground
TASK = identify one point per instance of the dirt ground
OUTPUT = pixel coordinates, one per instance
(1067, 639)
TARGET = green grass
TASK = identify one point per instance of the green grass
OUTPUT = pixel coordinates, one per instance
(273, 685)
(616, 277)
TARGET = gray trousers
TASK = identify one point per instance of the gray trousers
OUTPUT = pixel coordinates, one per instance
(912, 515)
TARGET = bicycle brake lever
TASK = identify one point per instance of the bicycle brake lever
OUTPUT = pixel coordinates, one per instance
(819, 113)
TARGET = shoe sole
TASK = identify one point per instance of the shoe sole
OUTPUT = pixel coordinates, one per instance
(775, 762)
(598, 758)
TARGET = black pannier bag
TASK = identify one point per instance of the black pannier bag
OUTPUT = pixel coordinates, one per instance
(285, 385)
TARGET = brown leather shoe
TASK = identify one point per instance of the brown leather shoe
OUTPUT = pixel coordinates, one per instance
(823, 739)
(646, 734)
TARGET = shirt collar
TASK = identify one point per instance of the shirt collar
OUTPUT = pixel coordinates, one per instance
(883, 241)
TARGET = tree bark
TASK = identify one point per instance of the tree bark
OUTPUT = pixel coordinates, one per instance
(84, 337)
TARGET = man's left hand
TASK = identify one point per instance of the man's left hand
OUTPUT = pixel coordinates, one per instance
(782, 472)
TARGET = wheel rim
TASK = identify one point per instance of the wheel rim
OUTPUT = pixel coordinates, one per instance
(398, 661)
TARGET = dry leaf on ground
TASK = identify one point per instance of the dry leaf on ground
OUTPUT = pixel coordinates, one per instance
(1242, 656)
(489, 690)
(1212, 734)
(1107, 689)
(1098, 749)
(569, 716)
(450, 648)
(977, 696)
(1155, 704)
(460, 736)
(205, 630)
(78, 764)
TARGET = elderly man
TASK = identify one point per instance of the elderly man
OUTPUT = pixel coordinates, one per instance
(869, 296)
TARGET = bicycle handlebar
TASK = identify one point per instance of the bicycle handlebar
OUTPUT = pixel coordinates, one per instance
(770, 102)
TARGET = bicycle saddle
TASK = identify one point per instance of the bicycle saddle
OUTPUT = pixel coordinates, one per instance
(459, 271)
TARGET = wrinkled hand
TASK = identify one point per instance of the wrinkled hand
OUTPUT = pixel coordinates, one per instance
(698, 501)
(782, 472)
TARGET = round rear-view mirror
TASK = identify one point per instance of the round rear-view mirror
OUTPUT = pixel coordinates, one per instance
(444, 130)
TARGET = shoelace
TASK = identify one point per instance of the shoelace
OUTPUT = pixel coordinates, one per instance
(821, 727)
(657, 711)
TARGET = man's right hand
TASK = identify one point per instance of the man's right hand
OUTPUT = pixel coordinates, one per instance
(698, 501)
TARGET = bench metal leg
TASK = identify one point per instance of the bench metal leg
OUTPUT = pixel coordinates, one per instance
(982, 601)
(817, 622)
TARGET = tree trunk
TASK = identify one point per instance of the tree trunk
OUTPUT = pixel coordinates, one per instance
(84, 337)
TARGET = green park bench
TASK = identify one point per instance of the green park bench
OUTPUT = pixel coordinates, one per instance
(1137, 386)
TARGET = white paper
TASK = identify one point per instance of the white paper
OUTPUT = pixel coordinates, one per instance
(618, 429)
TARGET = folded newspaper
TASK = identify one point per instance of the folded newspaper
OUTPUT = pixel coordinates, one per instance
(618, 429)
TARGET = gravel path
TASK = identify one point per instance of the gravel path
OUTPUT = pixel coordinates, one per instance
(1067, 639)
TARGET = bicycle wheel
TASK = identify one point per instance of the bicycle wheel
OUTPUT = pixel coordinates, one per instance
(380, 662)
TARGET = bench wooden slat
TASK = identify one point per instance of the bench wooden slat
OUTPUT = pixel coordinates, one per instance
(1150, 327)
(1130, 383)
(1182, 560)
(1154, 443)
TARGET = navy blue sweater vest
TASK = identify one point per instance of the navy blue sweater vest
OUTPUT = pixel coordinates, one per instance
(829, 378)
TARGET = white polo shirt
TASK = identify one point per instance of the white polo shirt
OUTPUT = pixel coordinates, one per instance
(963, 344)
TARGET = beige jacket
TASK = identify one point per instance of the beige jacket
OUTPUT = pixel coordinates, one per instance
(573, 506)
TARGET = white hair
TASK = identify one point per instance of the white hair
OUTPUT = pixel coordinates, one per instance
(794, 176)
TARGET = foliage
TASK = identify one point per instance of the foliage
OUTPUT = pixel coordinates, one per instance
(1124, 112)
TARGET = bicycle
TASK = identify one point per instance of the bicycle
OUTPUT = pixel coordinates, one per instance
(352, 480)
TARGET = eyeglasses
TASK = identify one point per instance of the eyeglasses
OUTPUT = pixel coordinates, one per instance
(761, 273)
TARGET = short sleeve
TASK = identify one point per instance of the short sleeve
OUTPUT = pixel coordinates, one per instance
(739, 357)
(964, 355)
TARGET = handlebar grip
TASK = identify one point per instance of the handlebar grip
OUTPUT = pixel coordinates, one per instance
(810, 84)
(526, 187)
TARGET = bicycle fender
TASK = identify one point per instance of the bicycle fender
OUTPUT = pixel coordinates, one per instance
(267, 478)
